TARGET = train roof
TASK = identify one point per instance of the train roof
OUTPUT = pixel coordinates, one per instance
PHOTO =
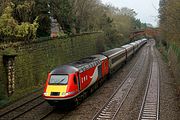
(84, 61)
(113, 51)
(144, 39)
(79, 65)
(99, 56)
(64, 69)
(127, 46)
(134, 43)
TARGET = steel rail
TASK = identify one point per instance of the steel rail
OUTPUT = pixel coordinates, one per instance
(150, 105)
(48, 114)
(45, 116)
(15, 113)
(2, 113)
(112, 106)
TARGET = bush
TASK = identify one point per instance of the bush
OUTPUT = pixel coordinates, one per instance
(11, 30)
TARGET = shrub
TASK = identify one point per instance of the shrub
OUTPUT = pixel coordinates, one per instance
(11, 30)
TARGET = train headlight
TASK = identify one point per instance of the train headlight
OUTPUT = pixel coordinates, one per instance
(45, 93)
(63, 93)
(70, 93)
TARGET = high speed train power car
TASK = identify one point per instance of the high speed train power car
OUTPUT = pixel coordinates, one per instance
(74, 81)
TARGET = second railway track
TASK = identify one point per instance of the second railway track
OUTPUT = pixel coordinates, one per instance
(150, 106)
(111, 108)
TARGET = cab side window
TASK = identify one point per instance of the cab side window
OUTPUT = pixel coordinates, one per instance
(75, 80)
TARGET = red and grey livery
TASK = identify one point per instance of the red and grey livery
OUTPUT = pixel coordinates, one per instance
(69, 81)
(72, 82)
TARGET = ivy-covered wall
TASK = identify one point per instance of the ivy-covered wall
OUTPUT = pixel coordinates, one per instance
(35, 60)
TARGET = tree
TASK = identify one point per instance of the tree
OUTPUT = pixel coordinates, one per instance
(88, 14)
(3, 5)
(11, 29)
(62, 11)
(169, 20)
(27, 11)
(41, 9)
(77, 16)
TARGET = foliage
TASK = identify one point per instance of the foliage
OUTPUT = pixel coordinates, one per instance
(27, 11)
(2, 4)
(62, 11)
(87, 15)
(41, 9)
(11, 28)
(117, 25)
(23, 11)
(170, 34)
(169, 21)
(74, 17)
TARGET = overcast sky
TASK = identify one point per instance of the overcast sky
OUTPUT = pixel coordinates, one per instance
(147, 10)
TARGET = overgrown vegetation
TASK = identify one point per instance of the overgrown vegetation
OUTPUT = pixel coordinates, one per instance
(24, 20)
(76, 16)
(169, 21)
(169, 24)
(11, 28)
(170, 34)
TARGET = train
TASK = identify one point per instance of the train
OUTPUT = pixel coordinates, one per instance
(71, 83)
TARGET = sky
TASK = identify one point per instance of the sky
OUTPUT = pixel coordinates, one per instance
(147, 10)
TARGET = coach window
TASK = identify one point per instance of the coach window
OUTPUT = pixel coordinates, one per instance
(90, 65)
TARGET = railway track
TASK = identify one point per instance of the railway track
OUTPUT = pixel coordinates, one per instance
(150, 105)
(56, 114)
(112, 106)
(38, 113)
(19, 104)
(15, 112)
(34, 108)
(45, 116)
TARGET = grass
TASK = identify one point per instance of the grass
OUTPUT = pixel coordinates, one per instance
(164, 51)
(176, 50)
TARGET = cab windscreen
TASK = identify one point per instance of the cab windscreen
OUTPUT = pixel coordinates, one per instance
(58, 80)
